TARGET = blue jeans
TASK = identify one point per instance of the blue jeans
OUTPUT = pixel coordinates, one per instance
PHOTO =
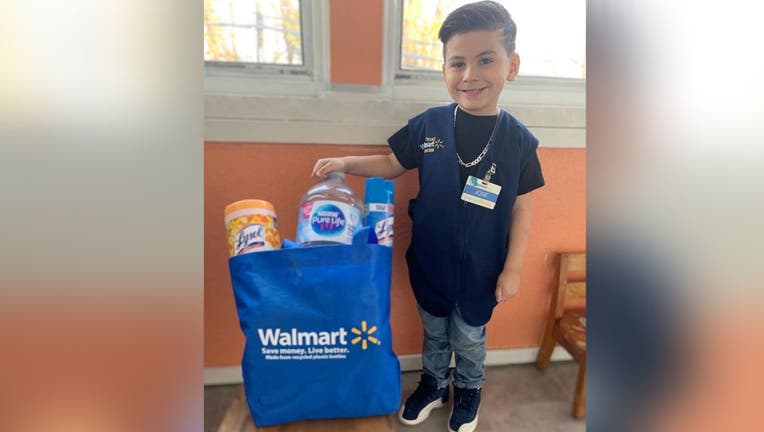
(444, 335)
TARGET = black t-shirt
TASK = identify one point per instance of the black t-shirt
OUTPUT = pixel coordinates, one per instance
(472, 134)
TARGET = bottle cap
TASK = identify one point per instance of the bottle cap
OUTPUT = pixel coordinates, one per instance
(249, 204)
(336, 174)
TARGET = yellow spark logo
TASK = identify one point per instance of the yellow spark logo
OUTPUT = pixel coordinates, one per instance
(364, 335)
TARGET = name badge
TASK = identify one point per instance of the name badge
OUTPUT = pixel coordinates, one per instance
(481, 192)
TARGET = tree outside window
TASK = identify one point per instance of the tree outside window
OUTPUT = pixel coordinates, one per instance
(551, 35)
(253, 31)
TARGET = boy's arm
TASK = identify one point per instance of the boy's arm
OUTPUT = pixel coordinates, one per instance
(509, 280)
(386, 166)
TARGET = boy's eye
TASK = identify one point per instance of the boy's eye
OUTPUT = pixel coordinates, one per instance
(457, 65)
(486, 60)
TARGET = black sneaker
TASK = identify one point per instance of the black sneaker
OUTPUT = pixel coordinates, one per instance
(464, 416)
(425, 398)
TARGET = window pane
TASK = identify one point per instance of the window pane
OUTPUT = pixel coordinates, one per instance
(551, 35)
(253, 31)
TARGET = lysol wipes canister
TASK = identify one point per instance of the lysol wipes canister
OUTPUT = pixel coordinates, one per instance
(251, 226)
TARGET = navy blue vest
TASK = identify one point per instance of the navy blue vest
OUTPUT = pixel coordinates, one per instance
(458, 249)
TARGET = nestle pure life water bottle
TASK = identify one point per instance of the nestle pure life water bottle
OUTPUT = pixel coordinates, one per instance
(329, 213)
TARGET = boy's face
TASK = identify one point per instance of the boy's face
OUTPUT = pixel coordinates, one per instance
(475, 67)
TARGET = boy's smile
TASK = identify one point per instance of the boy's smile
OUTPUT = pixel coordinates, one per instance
(475, 69)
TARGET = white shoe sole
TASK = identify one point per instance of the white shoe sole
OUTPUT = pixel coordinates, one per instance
(467, 427)
(437, 403)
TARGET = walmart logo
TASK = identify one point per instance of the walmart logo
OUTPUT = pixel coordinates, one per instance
(364, 335)
(431, 144)
(276, 337)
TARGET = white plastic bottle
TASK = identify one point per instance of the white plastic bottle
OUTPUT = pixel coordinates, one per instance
(329, 213)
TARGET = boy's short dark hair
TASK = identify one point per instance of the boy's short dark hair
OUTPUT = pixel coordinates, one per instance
(482, 15)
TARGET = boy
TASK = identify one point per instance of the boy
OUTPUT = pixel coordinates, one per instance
(477, 165)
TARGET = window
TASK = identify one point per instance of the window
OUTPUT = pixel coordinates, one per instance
(551, 36)
(264, 35)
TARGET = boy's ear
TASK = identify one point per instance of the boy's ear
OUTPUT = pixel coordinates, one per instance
(514, 66)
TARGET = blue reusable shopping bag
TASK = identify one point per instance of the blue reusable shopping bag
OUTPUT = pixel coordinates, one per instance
(317, 327)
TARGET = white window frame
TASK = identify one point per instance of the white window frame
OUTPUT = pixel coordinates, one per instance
(396, 11)
(239, 78)
(428, 85)
(554, 109)
(290, 108)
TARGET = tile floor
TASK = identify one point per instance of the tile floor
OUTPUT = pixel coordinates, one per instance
(516, 398)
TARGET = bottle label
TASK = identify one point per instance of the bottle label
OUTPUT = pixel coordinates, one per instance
(379, 207)
(328, 221)
(249, 238)
(384, 231)
(380, 217)
(252, 231)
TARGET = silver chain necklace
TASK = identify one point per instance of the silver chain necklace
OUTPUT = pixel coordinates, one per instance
(485, 149)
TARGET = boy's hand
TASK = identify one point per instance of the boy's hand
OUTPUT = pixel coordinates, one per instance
(327, 165)
(507, 285)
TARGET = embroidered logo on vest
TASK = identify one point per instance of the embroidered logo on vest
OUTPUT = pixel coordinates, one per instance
(431, 144)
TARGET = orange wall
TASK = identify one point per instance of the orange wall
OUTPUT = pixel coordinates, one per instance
(356, 41)
(280, 173)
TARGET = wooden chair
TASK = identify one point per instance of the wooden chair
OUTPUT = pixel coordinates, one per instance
(566, 323)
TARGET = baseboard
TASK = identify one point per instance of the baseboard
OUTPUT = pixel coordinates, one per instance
(409, 362)
(221, 375)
